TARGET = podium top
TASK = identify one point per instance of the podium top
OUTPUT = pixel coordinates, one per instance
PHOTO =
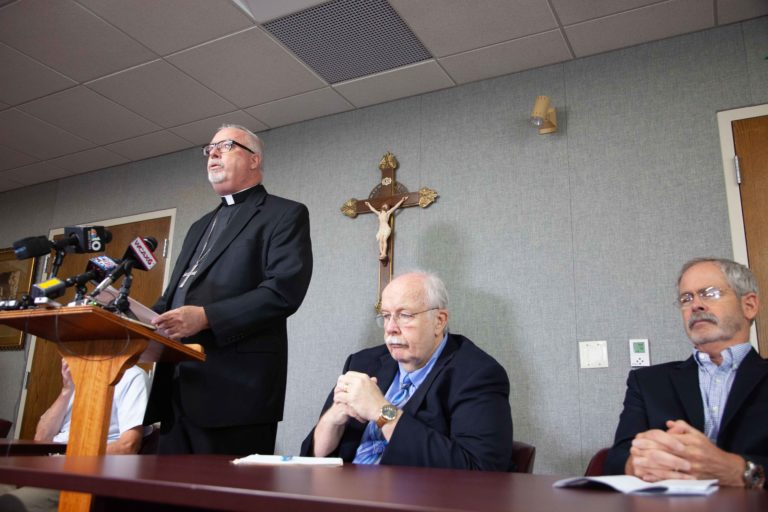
(88, 323)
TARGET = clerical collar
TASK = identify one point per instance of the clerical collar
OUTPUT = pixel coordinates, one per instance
(237, 197)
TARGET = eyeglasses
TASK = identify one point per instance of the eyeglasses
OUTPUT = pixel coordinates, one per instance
(224, 146)
(707, 294)
(401, 319)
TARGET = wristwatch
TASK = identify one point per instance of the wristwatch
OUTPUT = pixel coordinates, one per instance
(388, 413)
(754, 476)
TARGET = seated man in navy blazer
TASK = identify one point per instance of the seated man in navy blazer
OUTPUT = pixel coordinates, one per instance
(705, 417)
(424, 398)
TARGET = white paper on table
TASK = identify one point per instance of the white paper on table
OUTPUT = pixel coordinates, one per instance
(289, 460)
(633, 485)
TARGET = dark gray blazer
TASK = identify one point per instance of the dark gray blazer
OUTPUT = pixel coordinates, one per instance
(459, 417)
(671, 391)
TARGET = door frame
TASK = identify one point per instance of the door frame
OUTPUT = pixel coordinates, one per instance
(168, 251)
(732, 193)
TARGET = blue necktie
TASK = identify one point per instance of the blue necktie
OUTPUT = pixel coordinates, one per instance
(373, 443)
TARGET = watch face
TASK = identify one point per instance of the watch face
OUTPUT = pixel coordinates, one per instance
(389, 412)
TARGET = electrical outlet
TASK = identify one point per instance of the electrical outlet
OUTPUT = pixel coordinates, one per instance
(639, 354)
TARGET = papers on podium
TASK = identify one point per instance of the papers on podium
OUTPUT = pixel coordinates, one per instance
(633, 485)
(289, 460)
(144, 315)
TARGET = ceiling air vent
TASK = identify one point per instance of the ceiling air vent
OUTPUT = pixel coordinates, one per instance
(346, 39)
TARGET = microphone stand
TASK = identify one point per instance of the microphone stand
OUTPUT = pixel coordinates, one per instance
(57, 261)
(120, 303)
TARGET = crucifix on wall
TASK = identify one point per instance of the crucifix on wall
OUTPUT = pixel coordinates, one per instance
(384, 199)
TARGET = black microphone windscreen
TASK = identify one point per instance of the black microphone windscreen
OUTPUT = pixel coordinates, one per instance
(31, 247)
(151, 242)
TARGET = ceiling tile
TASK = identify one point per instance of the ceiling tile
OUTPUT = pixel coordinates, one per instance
(200, 132)
(575, 11)
(146, 146)
(265, 11)
(12, 158)
(6, 183)
(310, 105)
(35, 137)
(161, 93)
(90, 115)
(68, 38)
(171, 25)
(398, 83)
(452, 26)
(248, 69)
(650, 23)
(731, 11)
(504, 58)
(88, 160)
(35, 173)
(24, 79)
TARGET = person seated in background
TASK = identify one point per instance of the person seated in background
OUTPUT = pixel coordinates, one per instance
(705, 417)
(424, 398)
(124, 436)
(125, 424)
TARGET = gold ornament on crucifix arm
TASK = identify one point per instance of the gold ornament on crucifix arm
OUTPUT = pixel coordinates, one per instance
(349, 208)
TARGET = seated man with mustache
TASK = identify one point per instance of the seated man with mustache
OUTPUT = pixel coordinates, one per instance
(705, 417)
(424, 398)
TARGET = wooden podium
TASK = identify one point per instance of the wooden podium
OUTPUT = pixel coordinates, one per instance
(98, 346)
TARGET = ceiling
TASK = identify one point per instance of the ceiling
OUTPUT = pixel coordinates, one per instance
(88, 84)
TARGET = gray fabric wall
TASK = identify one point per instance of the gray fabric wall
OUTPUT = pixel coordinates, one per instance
(542, 240)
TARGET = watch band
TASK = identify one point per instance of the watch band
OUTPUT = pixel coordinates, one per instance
(388, 413)
(754, 475)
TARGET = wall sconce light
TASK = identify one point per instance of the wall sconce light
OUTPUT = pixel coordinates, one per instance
(544, 116)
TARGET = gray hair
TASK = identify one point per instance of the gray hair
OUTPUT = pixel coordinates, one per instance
(435, 292)
(739, 277)
(254, 142)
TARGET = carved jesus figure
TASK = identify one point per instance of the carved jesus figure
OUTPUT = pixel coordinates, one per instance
(385, 230)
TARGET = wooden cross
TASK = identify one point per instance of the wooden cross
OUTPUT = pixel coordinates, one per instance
(383, 198)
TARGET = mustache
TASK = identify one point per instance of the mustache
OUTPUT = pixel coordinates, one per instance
(215, 161)
(395, 341)
(702, 316)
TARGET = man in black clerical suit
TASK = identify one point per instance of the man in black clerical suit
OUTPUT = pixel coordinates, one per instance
(704, 417)
(424, 398)
(243, 269)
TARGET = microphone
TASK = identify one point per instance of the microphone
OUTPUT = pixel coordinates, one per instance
(97, 269)
(137, 255)
(82, 238)
(52, 288)
(85, 239)
(31, 247)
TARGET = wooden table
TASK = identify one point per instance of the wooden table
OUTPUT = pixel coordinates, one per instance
(211, 482)
(11, 447)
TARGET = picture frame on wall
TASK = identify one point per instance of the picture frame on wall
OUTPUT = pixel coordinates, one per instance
(15, 279)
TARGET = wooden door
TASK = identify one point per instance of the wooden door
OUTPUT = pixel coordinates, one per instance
(750, 138)
(44, 381)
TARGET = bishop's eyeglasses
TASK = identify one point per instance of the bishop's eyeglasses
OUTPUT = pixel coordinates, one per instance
(224, 146)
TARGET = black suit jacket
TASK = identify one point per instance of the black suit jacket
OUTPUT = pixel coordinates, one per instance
(459, 417)
(671, 391)
(255, 276)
